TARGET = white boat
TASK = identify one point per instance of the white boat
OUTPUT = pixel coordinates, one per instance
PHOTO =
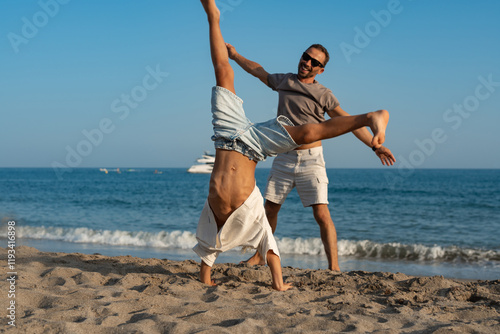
(204, 165)
(106, 171)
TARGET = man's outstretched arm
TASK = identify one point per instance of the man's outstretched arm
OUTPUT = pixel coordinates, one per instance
(251, 67)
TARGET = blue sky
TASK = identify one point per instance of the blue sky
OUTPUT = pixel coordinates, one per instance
(127, 83)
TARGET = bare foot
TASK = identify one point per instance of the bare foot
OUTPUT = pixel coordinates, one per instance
(211, 9)
(284, 287)
(255, 260)
(209, 282)
(212, 283)
(379, 120)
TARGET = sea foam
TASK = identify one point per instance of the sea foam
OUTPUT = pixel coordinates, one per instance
(306, 246)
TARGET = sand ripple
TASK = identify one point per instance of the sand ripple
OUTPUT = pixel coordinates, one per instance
(76, 293)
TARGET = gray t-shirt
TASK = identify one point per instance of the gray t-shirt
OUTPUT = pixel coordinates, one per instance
(301, 103)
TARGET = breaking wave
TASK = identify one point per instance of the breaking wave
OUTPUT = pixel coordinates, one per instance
(310, 246)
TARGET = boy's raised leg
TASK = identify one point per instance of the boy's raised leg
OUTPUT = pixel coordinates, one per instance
(224, 74)
(379, 124)
(309, 133)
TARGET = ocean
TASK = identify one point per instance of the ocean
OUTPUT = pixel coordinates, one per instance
(421, 222)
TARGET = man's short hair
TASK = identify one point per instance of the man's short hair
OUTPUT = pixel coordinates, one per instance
(322, 49)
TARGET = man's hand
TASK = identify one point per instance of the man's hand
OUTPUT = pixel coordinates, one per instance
(249, 66)
(385, 156)
(231, 51)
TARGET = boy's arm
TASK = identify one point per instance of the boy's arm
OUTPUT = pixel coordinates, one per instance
(251, 67)
(205, 274)
(274, 263)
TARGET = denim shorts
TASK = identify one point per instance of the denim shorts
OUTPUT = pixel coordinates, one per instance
(301, 169)
(234, 131)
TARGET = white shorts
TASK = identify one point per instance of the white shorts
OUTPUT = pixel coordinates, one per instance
(303, 169)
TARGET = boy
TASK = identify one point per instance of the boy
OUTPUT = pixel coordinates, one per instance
(234, 212)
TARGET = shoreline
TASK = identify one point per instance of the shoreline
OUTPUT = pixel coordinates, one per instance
(78, 293)
(467, 271)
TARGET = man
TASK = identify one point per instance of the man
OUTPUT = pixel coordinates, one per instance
(234, 214)
(303, 100)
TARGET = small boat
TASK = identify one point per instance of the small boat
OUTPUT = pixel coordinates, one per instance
(204, 165)
(106, 171)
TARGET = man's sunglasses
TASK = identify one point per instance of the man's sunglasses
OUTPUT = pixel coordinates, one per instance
(314, 62)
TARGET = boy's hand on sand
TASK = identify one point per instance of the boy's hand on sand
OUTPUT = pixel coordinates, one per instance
(285, 287)
(210, 283)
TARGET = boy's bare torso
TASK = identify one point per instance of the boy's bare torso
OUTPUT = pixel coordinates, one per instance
(231, 183)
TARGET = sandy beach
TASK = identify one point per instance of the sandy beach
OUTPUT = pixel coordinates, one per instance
(78, 293)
